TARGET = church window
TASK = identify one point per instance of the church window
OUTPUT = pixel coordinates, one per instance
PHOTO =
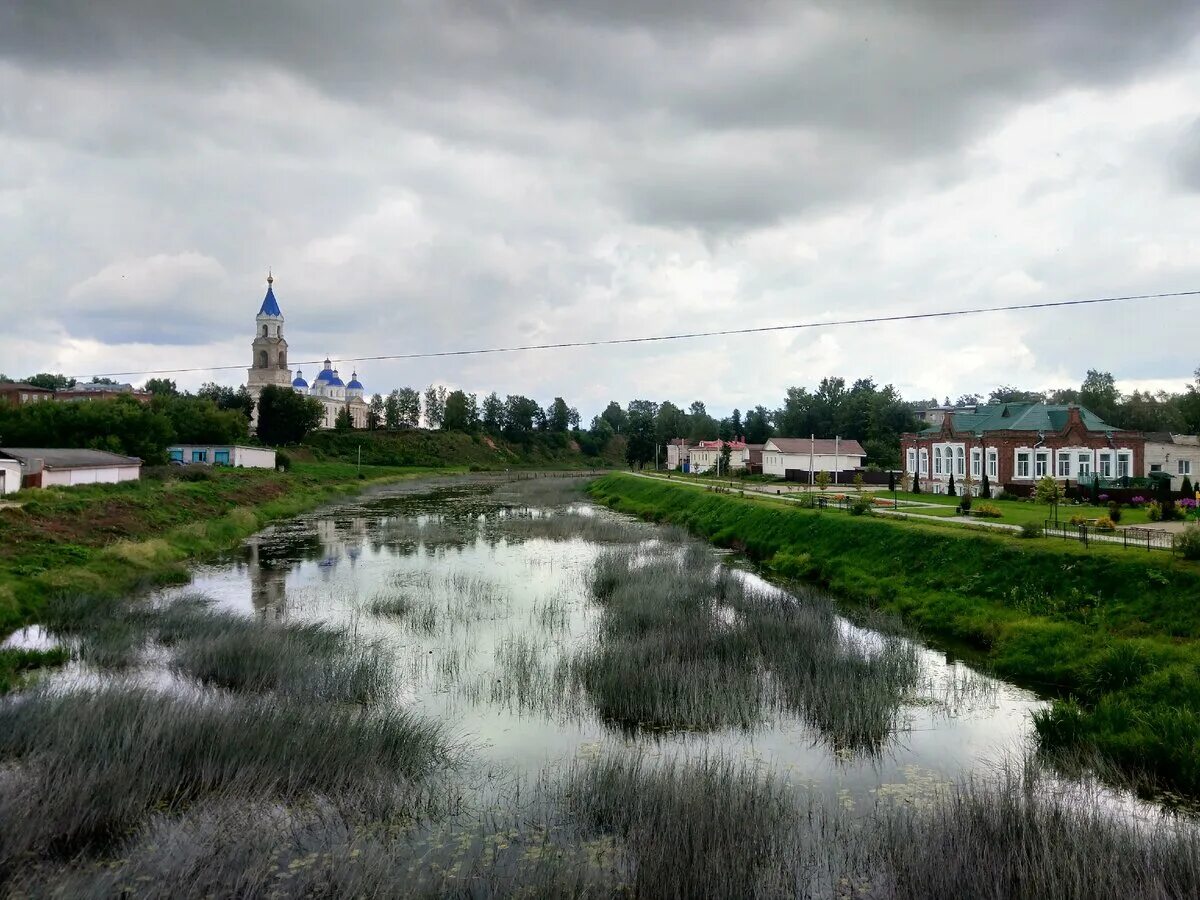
(262, 359)
(283, 359)
(264, 331)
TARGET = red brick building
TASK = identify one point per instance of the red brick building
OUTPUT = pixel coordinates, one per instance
(18, 393)
(1018, 443)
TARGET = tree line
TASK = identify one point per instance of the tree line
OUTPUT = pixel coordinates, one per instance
(122, 424)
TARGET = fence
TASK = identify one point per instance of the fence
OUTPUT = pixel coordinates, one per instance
(1135, 537)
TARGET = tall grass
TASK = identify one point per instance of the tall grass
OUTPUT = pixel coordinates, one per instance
(90, 764)
(567, 526)
(686, 644)
(712, 830)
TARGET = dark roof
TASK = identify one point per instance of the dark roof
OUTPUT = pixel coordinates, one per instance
(269, 305)
(57, 458)
(823, 446)
(1022, 417)
(22, 386)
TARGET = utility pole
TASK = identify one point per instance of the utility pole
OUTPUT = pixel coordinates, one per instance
(360, 459)
(837, 464)
(812, 445)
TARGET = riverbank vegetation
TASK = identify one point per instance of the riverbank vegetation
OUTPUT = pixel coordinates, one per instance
(106, 540)
(1112, 635)
(199, 752)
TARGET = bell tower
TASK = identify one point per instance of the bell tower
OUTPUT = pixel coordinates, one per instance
(268, 364)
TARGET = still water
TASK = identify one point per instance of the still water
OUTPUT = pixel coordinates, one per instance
(486, 587)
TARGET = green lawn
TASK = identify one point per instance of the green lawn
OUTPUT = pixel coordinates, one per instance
(1018, 512)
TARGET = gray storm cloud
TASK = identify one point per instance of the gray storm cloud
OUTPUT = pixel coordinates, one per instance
(432, 175)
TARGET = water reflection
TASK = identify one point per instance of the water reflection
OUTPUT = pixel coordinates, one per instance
(485, 597)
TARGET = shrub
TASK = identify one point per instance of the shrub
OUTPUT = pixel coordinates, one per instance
(1114, 511)
(1031, 530)
(1154, 511)
(1005, 495)
(1078, 520)
(987, 511)
(966, 501)
(195, 473)
(861, 506)
(283, 462)
(1187, 542)
(1104, 523)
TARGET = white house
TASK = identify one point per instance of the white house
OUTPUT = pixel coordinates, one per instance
(677, 453)
(707, 454)
(804, 455)
(1176, 454)
(10, 476)
(223, 455)
(53, 467)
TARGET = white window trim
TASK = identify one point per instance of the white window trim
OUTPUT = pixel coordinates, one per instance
(1017, 453)
(1041, 461)
(1105, 464)
(976, 462)
(911, 460)
(1124, 455)
(1091, 463)
(1060, 457)
(960, 461)
(924, 462)
(993, 463)
(1184, 466)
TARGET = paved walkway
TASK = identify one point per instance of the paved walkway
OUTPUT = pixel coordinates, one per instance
(904, 512)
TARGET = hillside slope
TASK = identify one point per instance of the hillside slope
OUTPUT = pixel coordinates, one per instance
(418, 447)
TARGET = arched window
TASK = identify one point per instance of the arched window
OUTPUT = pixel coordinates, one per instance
(264, 331)
(960, 461)
(283, 359)
(937, 460)
(262, 359)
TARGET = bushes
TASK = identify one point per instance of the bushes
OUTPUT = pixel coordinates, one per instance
(1114, 511)
(1105, 523)
(1154, 511)
(1031, 530)
(987, 511)
(1187, 542)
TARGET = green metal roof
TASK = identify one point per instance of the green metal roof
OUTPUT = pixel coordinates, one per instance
(1024, 417)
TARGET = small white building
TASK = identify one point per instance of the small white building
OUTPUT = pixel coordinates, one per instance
(49, 467)
(707, 454)
(677, 453)
(1176, 454)
(234, 455)
(806, 455)
(10, 476)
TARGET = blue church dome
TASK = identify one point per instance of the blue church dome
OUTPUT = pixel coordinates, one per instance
(355, 384)
(326, 375)
(335, 381)
(298, 381)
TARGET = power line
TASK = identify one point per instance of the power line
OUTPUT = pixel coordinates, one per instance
(690, 335)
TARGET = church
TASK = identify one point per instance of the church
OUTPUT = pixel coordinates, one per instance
(270, 366)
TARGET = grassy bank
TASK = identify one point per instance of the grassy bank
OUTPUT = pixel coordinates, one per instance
(479, 452)
(105, 540)
(1112, 635)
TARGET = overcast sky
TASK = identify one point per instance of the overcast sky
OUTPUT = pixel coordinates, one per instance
(445, 175)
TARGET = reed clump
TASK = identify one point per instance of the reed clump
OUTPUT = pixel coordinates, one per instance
(87, 765)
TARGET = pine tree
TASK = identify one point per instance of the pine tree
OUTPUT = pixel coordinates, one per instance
(950, 489)
(985, 487)
(1186, 487)
(343, 422)
(916, 485)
